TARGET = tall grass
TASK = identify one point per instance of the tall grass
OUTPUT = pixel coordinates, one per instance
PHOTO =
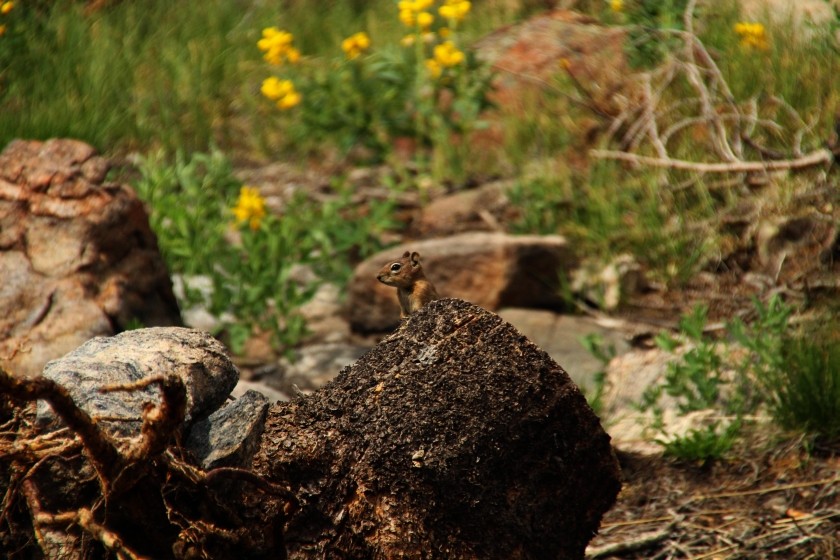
(181, 75)
(154, 73)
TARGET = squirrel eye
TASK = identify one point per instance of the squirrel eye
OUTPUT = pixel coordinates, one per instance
(396, 267)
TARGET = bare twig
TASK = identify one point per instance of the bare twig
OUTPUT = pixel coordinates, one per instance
(642, 542)
(814, 159)
(770, 489)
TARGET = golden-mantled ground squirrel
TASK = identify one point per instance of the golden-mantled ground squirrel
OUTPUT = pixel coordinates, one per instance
(413, 288)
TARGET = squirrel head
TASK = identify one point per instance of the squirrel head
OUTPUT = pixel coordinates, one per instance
(403, 272)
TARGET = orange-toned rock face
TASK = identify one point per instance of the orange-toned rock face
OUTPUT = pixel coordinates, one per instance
(77, 256)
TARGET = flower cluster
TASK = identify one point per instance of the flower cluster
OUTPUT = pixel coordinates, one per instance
(277, 46)
(250, 207)
(281, 91)
(753, 35)
(446, 55)
(5, 8)
(415, 13)
(355, 45)
(419, 16)
(454, 10)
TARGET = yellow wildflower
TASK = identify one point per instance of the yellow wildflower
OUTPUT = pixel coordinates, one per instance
(414, 12)
(616, 5)
(434, 68)
(407, 18)
(444, 32)
(753, 35)
(425, 20)
(455, 11)
(289, 100)
(6, 7)
(281, 91)
(448, 55)
(408, 40)
(355, 45)
(277, 46)
(250, 207)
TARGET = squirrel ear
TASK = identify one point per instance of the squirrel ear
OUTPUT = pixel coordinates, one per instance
(415, 258)
(406, 255)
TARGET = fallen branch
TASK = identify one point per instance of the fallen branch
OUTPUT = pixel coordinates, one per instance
(814, 159)
(759, 491)
(642, 542)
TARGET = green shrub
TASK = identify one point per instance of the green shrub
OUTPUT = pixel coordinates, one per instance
(798, 381)
(209, 225)
(427, 88)
(805, 390)
(703, 444)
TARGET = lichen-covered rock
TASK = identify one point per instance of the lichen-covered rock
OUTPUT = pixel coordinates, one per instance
(198, 359)
(229, 436)
(455, 437)
(492, 270)
(78, 256)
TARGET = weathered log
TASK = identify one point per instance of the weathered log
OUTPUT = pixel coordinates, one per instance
(455, 437)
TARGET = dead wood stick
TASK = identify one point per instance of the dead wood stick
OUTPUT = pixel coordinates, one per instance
(642, 542)
(814, 159)
(636, 522)
(822, 482)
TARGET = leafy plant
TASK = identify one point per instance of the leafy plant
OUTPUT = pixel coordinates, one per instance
(427, 88)
(799, 380)
(647, 44)
(595, 345)
(764, 339)
(695, 379)
(805, 393)
(210, 226)
(704, 444)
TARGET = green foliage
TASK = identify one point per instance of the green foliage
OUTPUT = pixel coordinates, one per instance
(372, 96)
(799, 382)
(595, 345)
(607, 212)
(190, 203)
(542, 202)
(805, 392)
(703, 445)
(774, 76)
(696, 378)
(647, 42)
(798, 378)
(250, 268)
(136, 73)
